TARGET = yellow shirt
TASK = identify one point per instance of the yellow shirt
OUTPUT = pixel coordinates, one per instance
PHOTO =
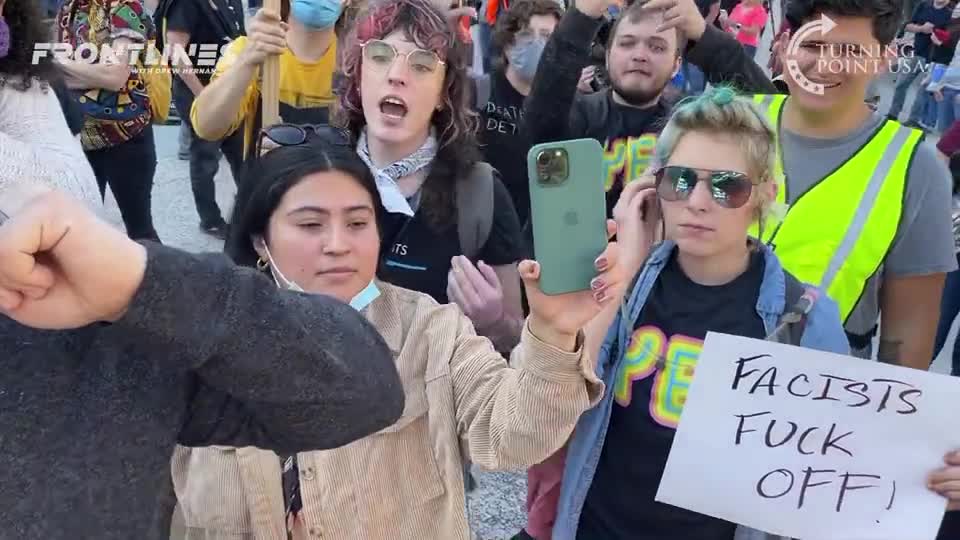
(306, 92)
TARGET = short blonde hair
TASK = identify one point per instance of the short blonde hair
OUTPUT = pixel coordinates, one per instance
(720, 110)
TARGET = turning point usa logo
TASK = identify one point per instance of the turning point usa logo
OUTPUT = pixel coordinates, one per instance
(137, 54)
(841, 57)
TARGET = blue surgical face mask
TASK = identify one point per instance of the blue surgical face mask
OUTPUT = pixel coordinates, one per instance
(525, 55)
(316, 14)
(361, 300)
(365, 297)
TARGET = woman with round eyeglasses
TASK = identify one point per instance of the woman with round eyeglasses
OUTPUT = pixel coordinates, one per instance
(309, 217)
(451, 230)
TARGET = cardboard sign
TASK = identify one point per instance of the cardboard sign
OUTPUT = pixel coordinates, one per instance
(812, 445)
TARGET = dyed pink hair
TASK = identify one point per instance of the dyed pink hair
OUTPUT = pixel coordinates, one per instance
(423, 24)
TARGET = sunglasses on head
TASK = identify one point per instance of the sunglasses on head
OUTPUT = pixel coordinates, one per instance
(381, 55)
(296, 134)
(729, 189)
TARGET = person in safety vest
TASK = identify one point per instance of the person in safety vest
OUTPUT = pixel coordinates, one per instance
(867, 202)
(822, 139)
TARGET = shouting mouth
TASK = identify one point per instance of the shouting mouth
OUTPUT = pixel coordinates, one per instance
(393, 107)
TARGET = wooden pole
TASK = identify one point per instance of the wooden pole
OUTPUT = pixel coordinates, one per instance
(270, 79)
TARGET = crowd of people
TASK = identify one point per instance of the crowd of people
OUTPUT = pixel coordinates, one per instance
(375, 324)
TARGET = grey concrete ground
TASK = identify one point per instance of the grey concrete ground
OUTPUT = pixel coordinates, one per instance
(497, 506)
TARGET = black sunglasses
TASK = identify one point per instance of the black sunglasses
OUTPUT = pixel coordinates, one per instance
(729, 189)
(297, 134)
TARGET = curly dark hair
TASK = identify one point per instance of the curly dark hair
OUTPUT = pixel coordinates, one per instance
(27, 28)
(516, 19)
(456, 123)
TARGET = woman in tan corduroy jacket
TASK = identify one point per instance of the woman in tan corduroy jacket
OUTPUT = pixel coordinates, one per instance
(307, 215)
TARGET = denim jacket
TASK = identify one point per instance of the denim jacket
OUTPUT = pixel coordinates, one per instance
(824, 331)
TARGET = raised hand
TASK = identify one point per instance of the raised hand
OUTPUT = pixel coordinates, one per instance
(586, 78)
(61, 267)
(477, 290)
(266, 36)
(637, 216)
(684, 15)
(597, 8)
(454, 14)
(556, 319)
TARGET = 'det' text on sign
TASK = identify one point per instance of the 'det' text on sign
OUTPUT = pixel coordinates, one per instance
(812, 445)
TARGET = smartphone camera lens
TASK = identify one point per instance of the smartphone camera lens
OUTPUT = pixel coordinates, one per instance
(544, 160)
(552, 166)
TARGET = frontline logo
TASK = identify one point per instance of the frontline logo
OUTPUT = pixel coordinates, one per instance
(820, 27)
(135, 54)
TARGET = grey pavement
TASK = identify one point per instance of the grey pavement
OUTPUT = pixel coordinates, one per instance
(174, 212)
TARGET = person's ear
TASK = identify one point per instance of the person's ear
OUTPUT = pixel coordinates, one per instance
(259, 246)
(773, 189)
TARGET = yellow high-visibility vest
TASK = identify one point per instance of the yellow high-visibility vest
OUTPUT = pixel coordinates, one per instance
(837, 234)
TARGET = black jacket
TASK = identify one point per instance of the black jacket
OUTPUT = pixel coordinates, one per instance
(71, 110)
(219, 17)
(208, 354)
(555, 111)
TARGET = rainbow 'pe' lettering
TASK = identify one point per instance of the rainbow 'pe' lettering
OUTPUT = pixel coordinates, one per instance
(672, 381)
(639, 362)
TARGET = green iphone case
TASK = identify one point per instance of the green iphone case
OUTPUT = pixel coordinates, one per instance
(568, 211)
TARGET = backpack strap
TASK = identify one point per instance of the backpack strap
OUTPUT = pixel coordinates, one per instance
(475, 208)
(799, 302)
(481, 92)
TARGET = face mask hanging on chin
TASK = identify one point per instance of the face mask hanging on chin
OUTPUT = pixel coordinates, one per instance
(365, 297)
(361, 300)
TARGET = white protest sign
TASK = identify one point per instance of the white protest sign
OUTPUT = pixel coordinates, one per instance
(812, 445)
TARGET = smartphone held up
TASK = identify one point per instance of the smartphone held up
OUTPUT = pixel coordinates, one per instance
(568, 212)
